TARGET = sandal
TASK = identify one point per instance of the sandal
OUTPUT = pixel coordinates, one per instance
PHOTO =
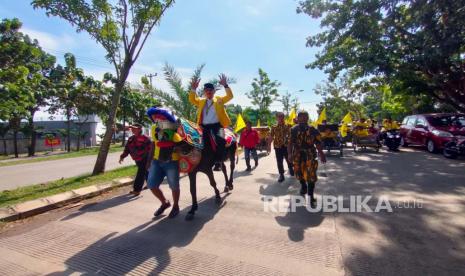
(162, 208)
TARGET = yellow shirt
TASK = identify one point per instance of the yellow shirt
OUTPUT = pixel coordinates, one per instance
(390, 126)
(156, 153)
(218, 104)
(363, 131)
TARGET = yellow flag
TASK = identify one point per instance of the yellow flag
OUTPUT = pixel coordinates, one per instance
(240, 124)
(258, 123)
(343, 129)
(347, 119)
(321, 117)
(290, 119)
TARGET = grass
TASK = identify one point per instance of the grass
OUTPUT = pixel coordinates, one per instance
(82, 152)
(23, 194)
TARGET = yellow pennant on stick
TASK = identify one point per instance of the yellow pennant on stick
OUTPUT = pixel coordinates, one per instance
(240, 123)
(347, 119)
(292, 116)
(321, 118)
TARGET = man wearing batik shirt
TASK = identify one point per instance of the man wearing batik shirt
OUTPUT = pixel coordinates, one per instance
(139, 147)
(280, 136)
(304, 143)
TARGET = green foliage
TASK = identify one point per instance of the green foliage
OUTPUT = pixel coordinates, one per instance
(178, 98)
(287, 103)
(134, 104)
(22, 194)
(416, 47)
(338, 98)
(18, 64)
(233, 110)
(263, 94)
(122, 28)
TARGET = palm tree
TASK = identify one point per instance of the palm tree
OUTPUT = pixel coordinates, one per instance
(178, 98)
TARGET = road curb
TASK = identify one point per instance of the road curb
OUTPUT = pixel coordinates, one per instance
(42, 205)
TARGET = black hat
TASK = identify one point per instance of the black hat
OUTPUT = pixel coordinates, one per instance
(209, 86)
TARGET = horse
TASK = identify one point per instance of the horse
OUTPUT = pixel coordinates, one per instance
(207, 161)
(190, 146)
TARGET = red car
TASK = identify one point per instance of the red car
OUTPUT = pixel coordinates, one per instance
(432, 130)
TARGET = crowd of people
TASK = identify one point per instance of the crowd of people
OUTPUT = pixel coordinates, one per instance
(300, 146)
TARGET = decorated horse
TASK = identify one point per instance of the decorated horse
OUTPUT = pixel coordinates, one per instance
(196, 153)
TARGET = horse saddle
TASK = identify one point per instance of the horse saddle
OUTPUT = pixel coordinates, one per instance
(229, 136)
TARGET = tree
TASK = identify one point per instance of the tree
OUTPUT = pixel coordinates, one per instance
(263, 94)
(339, 97)
(178, 99)
(91, 98)
(122, 28)
(4, 128)
(416, 47)
(19, 57)
(295, 104)
(133, 107)
(233, 110)
(286, 101)
(67, 94)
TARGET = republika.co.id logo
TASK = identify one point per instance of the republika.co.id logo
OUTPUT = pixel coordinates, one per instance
(340, 204)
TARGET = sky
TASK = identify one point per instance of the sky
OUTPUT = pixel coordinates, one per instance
(235, 37)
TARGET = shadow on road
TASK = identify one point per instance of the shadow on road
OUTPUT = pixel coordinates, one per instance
(426, 240)
(146, 247)
(100, 206)
(297, 222)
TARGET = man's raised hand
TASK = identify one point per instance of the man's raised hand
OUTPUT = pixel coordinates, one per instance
(195, 83)
(223, 80)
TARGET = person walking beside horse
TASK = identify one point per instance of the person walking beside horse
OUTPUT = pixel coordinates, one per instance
(249, 140)
(139, 147)
(164, 159)
(280, 136)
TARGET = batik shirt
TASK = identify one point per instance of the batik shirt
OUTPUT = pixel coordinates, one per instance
(280, 135)
(303, 141)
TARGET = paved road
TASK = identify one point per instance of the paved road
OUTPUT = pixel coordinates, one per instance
(41, 172)
(118, 236)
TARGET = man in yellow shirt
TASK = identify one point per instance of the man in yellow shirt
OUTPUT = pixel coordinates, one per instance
(361, 128)
(389, 124)
(211, 114)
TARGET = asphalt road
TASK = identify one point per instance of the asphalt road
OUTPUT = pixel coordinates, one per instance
(40, 172)
(118, 236)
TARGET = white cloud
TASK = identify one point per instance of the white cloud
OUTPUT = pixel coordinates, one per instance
(49, 41)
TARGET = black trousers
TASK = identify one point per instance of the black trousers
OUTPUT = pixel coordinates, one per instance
(281, 154)
(141, 175)
(220, 141)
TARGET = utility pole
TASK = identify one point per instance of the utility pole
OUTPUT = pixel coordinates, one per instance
(150, 76)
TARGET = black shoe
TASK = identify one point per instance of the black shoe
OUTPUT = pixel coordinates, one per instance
(291, 172)
(256, 163)
(303, 189)
(281, 178)
(313, 202)
(162, 208)
(248, 169)
(134, 193)
(174, 212)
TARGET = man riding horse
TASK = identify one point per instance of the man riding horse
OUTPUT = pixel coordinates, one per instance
(211, 114)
